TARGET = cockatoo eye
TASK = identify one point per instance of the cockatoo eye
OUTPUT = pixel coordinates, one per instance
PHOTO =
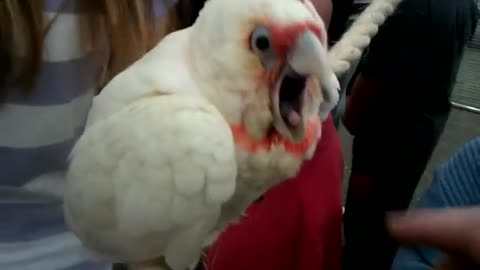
(261, 46)
(260, 40)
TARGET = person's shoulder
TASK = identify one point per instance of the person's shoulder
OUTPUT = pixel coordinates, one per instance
(471, 150)
(69, 7)
(466, 161)
(160, 7)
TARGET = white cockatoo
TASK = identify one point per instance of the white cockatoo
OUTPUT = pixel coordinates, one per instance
(181, 142)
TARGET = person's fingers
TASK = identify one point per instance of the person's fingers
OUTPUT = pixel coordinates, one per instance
(454, 230)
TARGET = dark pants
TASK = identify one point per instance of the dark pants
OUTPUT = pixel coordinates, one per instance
(367, 240)
(385, 173)
(395, 141)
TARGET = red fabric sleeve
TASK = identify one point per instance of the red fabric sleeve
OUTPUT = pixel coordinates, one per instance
(319, 188)
(297, 224)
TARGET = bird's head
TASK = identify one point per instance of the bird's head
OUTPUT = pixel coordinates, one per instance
(271, 56)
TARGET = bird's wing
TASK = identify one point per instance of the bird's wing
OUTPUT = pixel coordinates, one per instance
(150, 180)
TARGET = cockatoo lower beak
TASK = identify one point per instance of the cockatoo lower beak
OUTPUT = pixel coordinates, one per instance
(308, 57)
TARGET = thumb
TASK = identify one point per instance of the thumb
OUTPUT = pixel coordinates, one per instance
(455, 230)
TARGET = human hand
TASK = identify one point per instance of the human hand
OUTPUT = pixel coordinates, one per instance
(456, 231)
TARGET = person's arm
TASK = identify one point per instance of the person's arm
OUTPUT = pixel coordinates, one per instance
(455, 184)
(392, 57)
(363, 96)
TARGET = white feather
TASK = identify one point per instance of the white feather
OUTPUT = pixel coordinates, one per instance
(149, 188)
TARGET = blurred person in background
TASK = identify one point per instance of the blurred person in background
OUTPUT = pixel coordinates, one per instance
(55, 55)
(397, 110)
(453, 227)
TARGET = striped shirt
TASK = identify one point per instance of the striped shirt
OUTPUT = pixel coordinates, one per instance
(38, 132)
(455, 184)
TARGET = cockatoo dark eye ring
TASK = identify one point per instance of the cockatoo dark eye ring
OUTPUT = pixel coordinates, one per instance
(260, 40)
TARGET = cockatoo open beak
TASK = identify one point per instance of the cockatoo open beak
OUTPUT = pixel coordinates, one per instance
(308, 57)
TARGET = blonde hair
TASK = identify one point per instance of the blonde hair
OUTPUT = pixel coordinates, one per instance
(130, 26)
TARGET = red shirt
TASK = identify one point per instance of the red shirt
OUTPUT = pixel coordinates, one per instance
(297, 224)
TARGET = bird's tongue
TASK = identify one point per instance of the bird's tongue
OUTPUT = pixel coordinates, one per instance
(290, 116)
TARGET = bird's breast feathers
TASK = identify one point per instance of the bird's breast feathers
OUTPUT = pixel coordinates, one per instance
(273, 158)
(272, 140)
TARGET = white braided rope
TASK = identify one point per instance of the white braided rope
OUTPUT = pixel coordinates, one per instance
(350, 47)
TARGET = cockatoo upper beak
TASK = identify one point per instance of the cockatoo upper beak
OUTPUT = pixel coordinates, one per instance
(306, 58)
(309, 56)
